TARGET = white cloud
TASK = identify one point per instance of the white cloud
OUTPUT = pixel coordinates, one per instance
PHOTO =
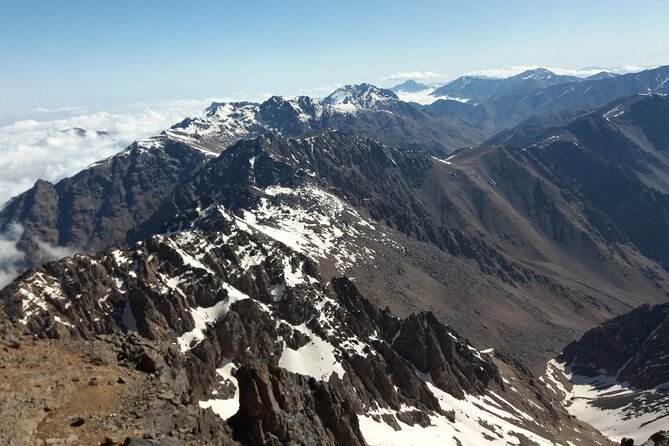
(424, 97)
(582, 72)
(9, 254)
(12, 258)
(51, 252)
(413, 75)
(319, 91)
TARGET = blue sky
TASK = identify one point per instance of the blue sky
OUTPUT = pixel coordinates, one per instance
(104, 53)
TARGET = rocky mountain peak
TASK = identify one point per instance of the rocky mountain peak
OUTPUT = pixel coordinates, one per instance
(409, 86)
(359, 96)
(289, 267)
(602, 75)
(227, 123)
(537, 73)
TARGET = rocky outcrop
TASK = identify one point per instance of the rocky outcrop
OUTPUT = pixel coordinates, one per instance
(618, 370)
(433, 349)
(103, 203)
(631, 347)
(430, 346)
(277, 407)
(658, 439)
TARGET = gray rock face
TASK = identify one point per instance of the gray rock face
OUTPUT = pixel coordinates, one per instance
(102, 204)
(432, 349)
(277, 407)
(626, 144)
(660, 438)
(621, 369)
(632, 347)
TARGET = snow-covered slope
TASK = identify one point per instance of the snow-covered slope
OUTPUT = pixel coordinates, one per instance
(313, 222)
(618, 409)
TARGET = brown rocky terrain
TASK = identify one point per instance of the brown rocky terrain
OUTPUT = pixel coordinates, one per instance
(78, 393)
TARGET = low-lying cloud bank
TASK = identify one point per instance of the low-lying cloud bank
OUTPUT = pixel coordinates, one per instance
(10, 255)
(12, 258)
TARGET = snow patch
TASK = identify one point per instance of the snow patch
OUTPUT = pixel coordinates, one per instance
(205, 316)
(315, 359)
(614, 408)
(478, 420)
(224, 407)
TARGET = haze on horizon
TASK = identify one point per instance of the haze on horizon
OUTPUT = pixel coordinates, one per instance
(102, 55)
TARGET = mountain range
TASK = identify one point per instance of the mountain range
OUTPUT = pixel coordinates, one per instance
(503, 104)
(380, 272)
(479, 89)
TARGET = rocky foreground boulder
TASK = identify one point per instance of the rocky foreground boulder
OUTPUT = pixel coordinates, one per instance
(660, 438)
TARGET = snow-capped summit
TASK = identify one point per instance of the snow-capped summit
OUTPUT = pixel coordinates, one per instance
(409, 86)
(360, 96)
(602, 75)
(537, 74)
